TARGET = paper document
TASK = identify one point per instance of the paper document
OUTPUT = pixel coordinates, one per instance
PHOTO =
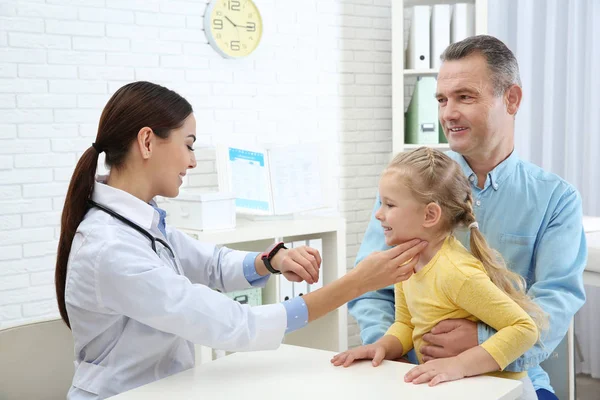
(295, 179)
(275, 181)
(250, 166)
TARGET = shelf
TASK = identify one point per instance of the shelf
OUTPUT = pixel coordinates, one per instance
(439, 146)
(420, 72)
(410, 3)
(249, 231)
(255, 234)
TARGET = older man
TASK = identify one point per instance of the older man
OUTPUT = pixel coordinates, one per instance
(532, 217)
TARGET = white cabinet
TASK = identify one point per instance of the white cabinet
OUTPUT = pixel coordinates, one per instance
(327, 333)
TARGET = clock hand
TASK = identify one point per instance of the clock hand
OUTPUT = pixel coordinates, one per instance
(230, 21)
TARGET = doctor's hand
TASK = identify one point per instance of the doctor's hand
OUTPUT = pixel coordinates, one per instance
(298, 264)
(384, 268)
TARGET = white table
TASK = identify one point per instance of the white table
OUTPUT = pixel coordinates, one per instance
(591, 276)
(294, 373)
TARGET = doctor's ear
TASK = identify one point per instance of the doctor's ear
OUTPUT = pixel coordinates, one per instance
(144, 142)
(433, 214)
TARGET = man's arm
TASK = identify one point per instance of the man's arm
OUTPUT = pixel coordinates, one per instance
(560, 259)
(374, 311)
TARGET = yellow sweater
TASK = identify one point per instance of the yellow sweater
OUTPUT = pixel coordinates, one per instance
(453, 285)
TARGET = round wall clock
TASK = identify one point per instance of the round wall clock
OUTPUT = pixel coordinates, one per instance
(233, 27)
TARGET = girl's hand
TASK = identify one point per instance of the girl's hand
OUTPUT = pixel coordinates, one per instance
(436, 371)
(298, 264)
(375, 352)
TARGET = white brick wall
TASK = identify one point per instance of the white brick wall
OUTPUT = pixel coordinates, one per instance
(322, 72)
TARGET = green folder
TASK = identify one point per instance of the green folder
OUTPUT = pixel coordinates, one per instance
(421, 119)
(443, 138)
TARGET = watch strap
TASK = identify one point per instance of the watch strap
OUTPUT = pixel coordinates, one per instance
(268, 255)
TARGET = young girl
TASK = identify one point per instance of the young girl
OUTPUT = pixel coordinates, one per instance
(425, 195)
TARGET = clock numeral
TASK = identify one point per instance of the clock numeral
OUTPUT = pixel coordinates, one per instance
(244, 46)
(251, 37)
(234, 5)
(250, 15)
(219, 13)
(218, 24)
(235, 45)
(250, 26)
(218, 36)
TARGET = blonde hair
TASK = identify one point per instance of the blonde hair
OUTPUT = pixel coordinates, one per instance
(433, 177)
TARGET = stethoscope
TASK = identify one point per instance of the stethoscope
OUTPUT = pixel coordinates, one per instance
(135, 226)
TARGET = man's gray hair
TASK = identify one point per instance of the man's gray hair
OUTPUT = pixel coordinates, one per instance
(501, 62)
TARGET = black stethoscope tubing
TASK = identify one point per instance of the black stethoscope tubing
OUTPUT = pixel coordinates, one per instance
(133, 225)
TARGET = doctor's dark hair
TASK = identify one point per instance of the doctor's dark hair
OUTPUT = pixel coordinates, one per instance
(433, 177)
(131, 108)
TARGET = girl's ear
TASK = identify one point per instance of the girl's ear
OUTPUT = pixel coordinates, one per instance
(433, 214)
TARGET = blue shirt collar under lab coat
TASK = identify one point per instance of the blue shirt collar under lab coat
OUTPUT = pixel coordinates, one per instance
(162, 219)
(496, 176)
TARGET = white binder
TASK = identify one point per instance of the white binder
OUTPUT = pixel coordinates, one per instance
(463, 22)
(286, 288)
(440, 32)
(418, 52)
(317, 244)
(300, 288)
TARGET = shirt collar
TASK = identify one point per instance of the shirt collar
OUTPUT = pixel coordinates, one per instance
(504, 170)
(496, 176)
(125, 204)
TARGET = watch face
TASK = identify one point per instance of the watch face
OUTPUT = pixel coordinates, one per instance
(233, 27)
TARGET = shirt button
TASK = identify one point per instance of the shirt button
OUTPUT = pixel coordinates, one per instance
(478, 203)
(471, 178)
(496, 186)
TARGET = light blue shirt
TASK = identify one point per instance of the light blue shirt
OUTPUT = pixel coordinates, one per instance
(534, 219)
(297, 313)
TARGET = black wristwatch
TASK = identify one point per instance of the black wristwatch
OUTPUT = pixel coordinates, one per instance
(268, 255)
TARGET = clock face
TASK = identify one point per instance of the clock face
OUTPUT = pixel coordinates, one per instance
(233, 27)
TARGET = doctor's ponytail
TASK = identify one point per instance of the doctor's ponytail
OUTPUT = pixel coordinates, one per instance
(80, 189)
(131, 108)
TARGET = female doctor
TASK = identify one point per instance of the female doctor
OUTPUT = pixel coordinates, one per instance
(138, 294)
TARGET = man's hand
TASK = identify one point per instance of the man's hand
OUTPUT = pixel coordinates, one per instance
(449, 338)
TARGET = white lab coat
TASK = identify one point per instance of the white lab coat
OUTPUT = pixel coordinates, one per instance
(135, 315)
